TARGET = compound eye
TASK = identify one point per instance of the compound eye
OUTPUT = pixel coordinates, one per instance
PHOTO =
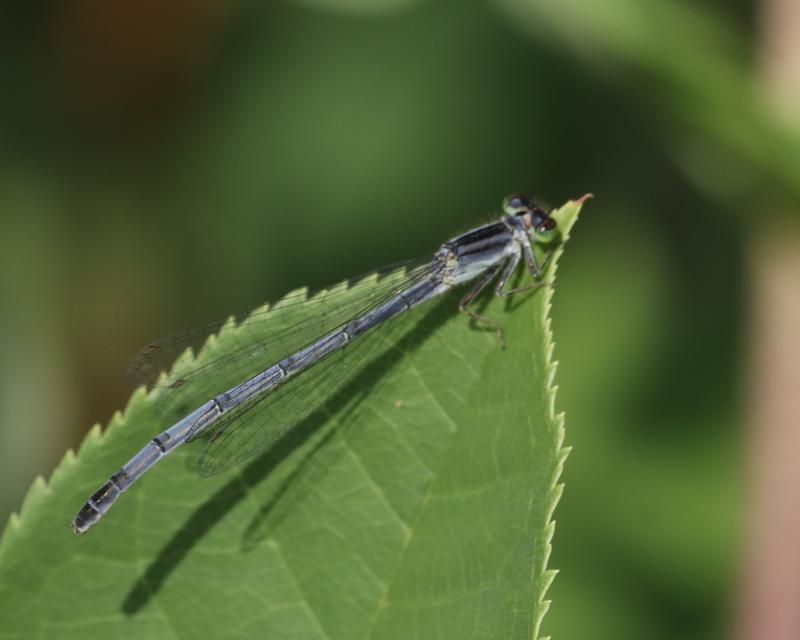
(545, 231)
(516, 203)
(548, 225)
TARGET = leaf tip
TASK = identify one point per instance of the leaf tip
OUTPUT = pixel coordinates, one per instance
(580, 201)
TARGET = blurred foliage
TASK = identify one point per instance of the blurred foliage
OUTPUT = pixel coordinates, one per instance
(691, 67)
(160, 166)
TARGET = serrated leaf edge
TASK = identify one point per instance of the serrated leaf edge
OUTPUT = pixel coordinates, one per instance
(556, 488)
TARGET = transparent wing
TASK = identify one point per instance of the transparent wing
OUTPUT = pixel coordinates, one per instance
(257, 425)
(159, 356)
(237, 352)
(254, 426)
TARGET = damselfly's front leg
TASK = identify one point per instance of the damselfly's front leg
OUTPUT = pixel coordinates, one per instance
(500, 290)
(535, 269)
(468, 299)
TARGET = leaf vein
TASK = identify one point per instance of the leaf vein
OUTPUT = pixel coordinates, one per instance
(304, 600)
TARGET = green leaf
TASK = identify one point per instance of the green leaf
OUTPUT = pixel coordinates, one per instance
(417, 503)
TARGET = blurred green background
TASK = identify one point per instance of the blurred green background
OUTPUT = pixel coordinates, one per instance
(162, 164)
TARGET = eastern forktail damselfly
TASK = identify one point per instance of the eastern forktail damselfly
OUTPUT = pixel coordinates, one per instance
(281, 378)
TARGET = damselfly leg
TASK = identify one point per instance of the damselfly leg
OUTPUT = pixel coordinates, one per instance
(500, 290)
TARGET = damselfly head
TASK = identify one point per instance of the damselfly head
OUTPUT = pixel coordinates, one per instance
(537, 221)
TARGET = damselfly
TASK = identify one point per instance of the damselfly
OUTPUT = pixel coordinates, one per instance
(283, 377)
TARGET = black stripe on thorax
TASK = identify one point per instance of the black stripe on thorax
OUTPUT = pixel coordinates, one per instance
(489, 236)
